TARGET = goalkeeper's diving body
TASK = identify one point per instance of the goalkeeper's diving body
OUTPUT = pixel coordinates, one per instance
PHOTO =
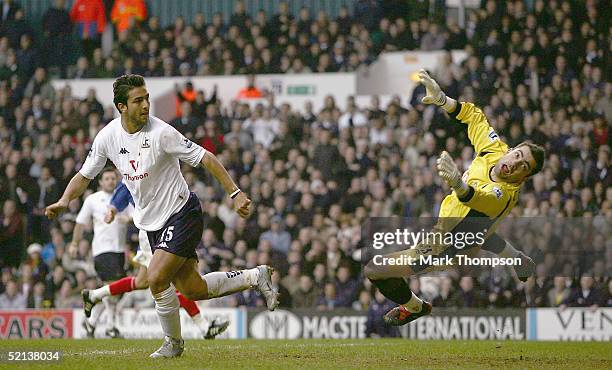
(481, 197)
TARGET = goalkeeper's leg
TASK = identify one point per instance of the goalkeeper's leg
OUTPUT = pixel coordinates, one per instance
(390, 281)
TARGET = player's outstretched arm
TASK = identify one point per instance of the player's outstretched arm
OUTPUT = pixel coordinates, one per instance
(435, 95)
(242, 203)
(481, 134)
(75, 188)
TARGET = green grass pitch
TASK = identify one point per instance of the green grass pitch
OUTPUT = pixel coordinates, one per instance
(318, 354)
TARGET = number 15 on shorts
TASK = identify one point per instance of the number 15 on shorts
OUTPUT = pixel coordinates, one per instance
(167, 234)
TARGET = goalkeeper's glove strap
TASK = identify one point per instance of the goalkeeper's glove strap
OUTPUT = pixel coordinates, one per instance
(466, 196)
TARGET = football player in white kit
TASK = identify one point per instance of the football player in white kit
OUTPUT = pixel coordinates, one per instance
(120, 200)
(147, 151)
(108, 244)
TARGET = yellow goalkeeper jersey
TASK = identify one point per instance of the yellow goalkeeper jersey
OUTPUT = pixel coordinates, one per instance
(489, 200)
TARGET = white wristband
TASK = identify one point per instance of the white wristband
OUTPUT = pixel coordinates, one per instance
(235, 193)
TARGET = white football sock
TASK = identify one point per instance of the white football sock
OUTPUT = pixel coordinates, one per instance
(414, 304)
(111, 310)
(201, 322)
(509, 251)
(167, 307)
(97, 294)
(225, 283)
(96, 312)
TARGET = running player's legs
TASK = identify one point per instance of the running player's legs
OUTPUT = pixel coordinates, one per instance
(189, 282)
(140, 280)
(162, 270)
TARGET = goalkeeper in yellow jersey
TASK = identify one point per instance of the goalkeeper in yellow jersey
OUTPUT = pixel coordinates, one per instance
(481, 197)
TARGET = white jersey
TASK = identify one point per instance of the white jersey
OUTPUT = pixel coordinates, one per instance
(149, 163)
(107, 237)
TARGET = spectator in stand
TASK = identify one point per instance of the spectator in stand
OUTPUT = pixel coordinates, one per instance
(346, 287)
(306, 296)
(467, 296)
(58, 32)
(329, 300)
(586, 295)
(89, 18)
(186, 123)
(8, 11)
(36, 298)
(11, 235)
(187, 94)
(559, 293)
(278, 238)
(375, 326)
(128, 14)
(12, 298)
(250, 91)
(38, 267)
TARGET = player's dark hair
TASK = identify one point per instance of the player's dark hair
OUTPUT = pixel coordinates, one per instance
(122, 87)
(538, 154)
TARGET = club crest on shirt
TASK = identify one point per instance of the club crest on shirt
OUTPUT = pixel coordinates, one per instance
(498, 193)
(493, 136)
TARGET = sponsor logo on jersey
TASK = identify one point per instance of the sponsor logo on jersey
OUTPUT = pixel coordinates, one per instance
(162, 245)
(188, 143)
(145, 143)
(123, 151)
(129, 177)
(498, 193)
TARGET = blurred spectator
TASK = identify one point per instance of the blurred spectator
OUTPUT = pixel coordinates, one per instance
(36, 298)
(128, 14)
(12, 298)
(559, 293)
(11, 235)
(467, 296)
(250, 91)
(57, 32)
(306, 295)
(65, 299)
(187, 94)
(329, 300)
(375, 326)
(89, 18)
(186, 123)
(346, 287)
(38, 267)
(586, 295)
(278, 238)
(40, 85)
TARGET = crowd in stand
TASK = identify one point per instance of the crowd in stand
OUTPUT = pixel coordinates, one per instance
(316, 176)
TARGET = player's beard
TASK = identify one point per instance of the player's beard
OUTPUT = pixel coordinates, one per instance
(140, 119)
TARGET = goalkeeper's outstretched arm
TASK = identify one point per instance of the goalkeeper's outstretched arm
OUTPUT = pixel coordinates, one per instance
(435, 95)
(481, 134)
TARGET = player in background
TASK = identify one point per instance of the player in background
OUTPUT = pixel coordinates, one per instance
(148, 151)
(483, 196)
(120, 200)
(108, 244)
